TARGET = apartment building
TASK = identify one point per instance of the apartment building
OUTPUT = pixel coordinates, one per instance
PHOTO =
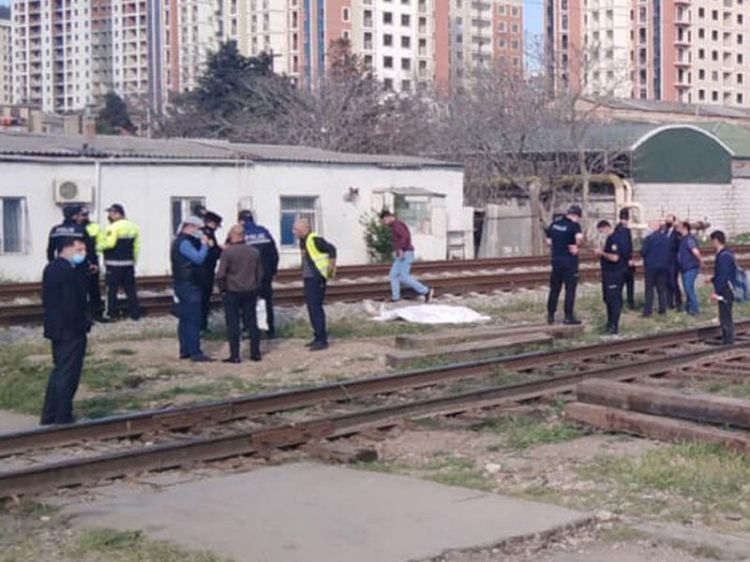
(190, 32)
(6, 77)
(678, 50)
(485, 32)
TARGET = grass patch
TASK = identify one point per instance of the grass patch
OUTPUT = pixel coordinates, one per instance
(524, 431)
(678, 482)
(22, 380)
(452, 470)
(102, 374)
(133, 545)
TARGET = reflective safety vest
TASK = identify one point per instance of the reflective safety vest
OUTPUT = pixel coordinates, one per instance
(121, 244)
(96, 233)
(321, 260)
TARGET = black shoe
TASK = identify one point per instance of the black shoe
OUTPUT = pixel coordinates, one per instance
(550, 319)
(255, 358)
(101, 319)
(572, 321)
(648, 315)
(184, 357)
(232, 360)
(429, 295)
(318, 346)
(311, 343)
(202, 359)
(271, 334)
(613, 331)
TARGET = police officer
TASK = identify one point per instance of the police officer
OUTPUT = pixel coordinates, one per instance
(96, 305)
(70, 227)
(629, 279)
(655, 252)
(121, 244)
(674, 295)
(564, 236)
(259, 237)
(211, 223)
(614, 259)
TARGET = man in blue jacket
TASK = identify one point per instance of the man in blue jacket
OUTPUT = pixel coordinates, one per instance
(66, 324)
(725, 271)
(614, 258)
(655, 252)
(259, 237)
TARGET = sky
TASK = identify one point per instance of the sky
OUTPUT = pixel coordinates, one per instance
(533, 14)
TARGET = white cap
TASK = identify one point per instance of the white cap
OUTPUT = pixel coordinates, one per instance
(194, 221)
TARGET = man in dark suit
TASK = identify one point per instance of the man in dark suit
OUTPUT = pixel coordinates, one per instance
(64, 290)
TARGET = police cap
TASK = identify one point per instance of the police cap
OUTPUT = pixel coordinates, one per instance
(69, 211)
(575, 210)
(210, 216)
(116, 208)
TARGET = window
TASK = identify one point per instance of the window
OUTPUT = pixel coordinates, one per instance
(13, 225)
(387, 39)
(182, 208)
(405, 64)
(387, 17)
(405, 20)
(415, 211)
(345, 14)
(405, 42)
(293, 208)
(388, 62)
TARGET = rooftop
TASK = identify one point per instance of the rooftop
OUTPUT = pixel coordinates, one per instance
(653, 106)
(126, 147)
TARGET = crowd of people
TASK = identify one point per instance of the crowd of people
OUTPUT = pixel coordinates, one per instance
(672, 261)
(243, 269)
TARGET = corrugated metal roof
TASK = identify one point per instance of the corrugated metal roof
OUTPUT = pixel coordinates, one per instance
(103, 146)
(735, 137)
(653, 106)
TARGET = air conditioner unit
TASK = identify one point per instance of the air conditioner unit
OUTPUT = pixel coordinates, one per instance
(73, 191)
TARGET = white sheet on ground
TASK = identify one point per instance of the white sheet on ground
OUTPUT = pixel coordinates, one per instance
(432, 314)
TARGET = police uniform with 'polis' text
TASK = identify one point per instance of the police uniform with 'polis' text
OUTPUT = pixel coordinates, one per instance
(613, 274)
(562, 234)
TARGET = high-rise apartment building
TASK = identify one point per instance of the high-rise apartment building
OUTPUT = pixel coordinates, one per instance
(689, 51)
(6, 57)
(486, 32)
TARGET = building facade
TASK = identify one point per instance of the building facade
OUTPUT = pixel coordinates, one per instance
(665, 50)
(6, 60)
(159, 181)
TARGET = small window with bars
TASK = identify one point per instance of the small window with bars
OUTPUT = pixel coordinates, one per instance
(13, 223)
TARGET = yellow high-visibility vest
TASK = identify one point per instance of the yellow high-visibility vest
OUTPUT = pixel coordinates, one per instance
(321, 260)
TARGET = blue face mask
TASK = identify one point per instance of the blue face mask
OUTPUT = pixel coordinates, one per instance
(78, 259)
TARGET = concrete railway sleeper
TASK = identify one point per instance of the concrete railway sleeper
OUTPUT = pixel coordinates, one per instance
(184, 449)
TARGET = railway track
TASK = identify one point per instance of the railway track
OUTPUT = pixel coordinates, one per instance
(352, 285)
(56, 457)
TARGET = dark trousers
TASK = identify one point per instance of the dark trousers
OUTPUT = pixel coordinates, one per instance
(67, 355)
(122, 276)
(96, 306)
(563, 273)
(315, 293)
(656, 279)
(207, 290)
(674, 295)
(612, 282)
(266, 293)
(243, 305)
(629, 282)
(189, 309)
(725, 317)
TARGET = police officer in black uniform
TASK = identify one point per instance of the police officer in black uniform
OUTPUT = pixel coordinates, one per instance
(211, 223)
(629, 280)
(614, 263)
(70, 227)
(564, 236)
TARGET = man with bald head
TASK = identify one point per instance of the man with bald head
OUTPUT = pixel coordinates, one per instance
(239, 279)
(318, 266)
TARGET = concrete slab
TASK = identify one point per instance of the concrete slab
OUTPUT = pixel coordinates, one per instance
(10, 421)
(317, 513)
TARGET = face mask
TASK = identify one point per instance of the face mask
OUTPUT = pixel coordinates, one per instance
(668, 224)
(78, 259)
(197, 234)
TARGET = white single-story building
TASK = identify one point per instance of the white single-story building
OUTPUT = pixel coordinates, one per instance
(159, 181)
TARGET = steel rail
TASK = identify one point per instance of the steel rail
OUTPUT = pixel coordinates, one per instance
(223, 411)
(244, 442)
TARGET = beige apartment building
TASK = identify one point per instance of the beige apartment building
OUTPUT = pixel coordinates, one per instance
(684, 51)
(6, 78)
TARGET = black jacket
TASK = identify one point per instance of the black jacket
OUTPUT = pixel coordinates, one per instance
(208, 267)
(70, 229)
(64, 300)
(182, 268)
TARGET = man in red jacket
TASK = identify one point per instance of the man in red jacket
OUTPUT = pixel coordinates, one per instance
(401, 268)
